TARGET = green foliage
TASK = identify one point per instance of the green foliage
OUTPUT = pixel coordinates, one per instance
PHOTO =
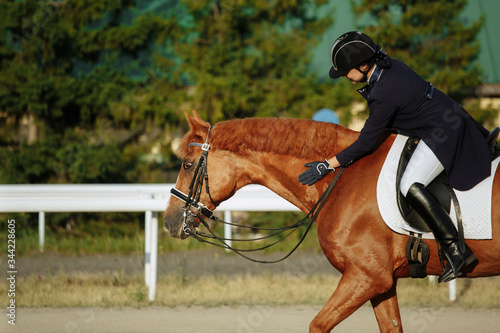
(76, 162)
(78, 233)
(251, 58)
(67, 68)
(485, 114)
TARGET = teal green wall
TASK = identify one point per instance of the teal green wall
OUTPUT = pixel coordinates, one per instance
(490, 41)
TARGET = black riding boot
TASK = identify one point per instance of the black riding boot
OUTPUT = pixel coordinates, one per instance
(438, 220)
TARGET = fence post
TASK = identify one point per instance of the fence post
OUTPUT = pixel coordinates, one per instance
(228, 232)
(452, 289)
(153, 256)
(41, 230)
(147, 246)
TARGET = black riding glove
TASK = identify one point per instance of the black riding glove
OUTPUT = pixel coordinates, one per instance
(316, 171)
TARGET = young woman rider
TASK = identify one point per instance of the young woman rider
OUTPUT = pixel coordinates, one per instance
(451, 139)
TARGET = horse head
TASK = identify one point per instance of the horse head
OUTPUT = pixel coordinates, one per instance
(192, 195)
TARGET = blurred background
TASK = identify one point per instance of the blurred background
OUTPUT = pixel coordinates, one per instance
(94, 91)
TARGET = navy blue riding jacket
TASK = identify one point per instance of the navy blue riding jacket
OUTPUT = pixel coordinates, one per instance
(397, 100)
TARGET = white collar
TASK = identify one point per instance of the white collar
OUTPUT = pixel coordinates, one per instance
(373, 72)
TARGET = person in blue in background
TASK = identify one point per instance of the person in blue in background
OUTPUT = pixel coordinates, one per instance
(451, 139)
(326, 115)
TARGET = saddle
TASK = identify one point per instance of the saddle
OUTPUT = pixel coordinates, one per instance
(417, 251)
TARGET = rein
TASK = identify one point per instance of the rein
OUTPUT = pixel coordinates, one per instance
(192, 200)
(306, 221)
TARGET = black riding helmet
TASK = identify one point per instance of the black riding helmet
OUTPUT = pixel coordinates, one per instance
(349, 51)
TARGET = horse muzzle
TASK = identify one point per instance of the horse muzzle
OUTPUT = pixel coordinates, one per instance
(173, 222)
(180, 224)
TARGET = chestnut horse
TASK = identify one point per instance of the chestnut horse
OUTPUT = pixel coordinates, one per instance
(272, 152)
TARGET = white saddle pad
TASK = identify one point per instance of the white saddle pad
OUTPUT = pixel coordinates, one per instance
(475, 204)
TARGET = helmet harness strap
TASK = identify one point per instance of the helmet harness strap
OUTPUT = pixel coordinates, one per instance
(365, 73)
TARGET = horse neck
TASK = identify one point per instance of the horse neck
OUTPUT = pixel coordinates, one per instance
(276, 165)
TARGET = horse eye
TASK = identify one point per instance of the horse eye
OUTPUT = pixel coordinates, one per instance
(187, 165)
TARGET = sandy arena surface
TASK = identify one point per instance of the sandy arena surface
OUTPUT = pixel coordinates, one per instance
(242, 319)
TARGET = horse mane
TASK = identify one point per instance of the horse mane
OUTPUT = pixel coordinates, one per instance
(282, 136)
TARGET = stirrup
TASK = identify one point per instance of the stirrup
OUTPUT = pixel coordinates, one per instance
(451, 272)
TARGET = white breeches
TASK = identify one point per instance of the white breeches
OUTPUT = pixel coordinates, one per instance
(422, 168)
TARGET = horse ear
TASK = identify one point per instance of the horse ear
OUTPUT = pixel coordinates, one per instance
(197, 125)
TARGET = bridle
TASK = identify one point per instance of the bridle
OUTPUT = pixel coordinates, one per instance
(192, 200)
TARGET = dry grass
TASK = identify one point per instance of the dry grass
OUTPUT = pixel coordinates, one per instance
(117, 290)
(471, 293)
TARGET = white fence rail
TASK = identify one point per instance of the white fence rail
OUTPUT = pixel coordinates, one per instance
(148, 198)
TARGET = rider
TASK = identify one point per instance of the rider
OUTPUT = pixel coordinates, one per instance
(451, 139)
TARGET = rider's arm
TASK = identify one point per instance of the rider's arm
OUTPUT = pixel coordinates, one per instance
(382, 112)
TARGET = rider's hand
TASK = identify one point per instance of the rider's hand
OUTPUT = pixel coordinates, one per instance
(316, 171)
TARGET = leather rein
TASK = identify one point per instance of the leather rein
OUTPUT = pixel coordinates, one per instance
(192, 200)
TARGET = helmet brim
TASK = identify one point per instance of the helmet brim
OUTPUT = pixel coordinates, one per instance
(334, 74)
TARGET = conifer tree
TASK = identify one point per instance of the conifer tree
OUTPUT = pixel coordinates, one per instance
(64, 66)
(250, 58)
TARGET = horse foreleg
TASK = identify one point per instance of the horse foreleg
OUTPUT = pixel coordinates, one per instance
(386, 310)
(353, 290)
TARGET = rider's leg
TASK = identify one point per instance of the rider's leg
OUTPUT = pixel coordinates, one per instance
(422, 168)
